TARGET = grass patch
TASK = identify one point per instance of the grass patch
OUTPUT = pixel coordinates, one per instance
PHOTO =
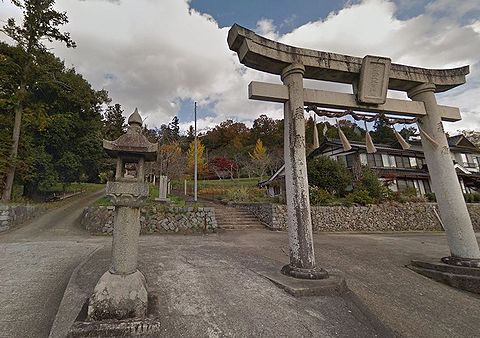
(176, 201)
(234, 190)
(57, 188)
(104, 201)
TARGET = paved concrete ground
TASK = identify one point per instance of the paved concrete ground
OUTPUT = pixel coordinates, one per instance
(36, 262)
(211, 286)
(62, 223)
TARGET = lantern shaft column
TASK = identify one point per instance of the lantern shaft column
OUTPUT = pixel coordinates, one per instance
(302, 256)
(452, 207)
(121, 292)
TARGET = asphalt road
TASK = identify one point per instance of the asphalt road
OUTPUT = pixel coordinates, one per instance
(36, 262)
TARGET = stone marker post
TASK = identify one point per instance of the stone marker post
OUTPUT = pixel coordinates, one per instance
(121, 292)
(451, 204)
(162, 189)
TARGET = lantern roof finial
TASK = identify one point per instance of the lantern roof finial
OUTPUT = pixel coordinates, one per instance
(135, 118)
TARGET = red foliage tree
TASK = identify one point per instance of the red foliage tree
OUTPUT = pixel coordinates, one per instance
(222, 167)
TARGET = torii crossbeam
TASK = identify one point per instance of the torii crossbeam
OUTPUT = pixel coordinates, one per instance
(370, 77)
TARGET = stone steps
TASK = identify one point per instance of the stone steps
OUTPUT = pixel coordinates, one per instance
(233, 218)
(459, 277)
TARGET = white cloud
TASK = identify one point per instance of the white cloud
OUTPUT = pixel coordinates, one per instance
(151, 54)
(266, 28)
(428, 40)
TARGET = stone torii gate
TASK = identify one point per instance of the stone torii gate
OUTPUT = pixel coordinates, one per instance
(370, 77)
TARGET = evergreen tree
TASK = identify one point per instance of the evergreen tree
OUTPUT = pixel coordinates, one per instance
(61, 123)
(328, 174)
(174, 128)
(382, 132)
(40, 21)
(113, 122)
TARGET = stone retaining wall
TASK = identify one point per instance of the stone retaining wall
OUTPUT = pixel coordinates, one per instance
(13, 214)
(383, 217)
(99, 220)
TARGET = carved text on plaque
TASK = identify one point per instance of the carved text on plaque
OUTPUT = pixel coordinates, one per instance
(374, 76)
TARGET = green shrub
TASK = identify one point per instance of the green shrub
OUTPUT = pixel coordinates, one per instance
(472, 198)
(372, 184)
(430, 196)
(409, 192)
(328, 174)
(360, 196)
(320, 196)
(408, 195)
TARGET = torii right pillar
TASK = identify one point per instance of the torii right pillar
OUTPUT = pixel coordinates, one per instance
(453, 210)
(371, 77)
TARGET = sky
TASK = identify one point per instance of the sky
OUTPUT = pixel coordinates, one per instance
(161, 56)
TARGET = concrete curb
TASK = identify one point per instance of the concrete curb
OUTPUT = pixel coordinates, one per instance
(72, 302)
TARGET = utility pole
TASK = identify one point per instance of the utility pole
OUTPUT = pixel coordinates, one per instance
(195, 173)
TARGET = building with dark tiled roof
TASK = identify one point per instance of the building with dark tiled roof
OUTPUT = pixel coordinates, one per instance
(398, 168)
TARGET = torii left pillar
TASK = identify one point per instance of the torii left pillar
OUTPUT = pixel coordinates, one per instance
(302, 256)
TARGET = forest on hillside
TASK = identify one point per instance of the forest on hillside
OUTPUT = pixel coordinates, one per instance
(52, 122)
(65, 120)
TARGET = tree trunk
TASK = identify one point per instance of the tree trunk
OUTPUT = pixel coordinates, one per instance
(22, 93)
(7, 190)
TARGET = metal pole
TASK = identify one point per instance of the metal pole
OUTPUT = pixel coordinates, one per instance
(185, 187)
(195, 174)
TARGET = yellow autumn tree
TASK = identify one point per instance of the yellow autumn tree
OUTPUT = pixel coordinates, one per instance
(170, 160)
(200, 158)
(260, 159)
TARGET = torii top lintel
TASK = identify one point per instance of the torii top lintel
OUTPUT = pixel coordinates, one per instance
(269, 56)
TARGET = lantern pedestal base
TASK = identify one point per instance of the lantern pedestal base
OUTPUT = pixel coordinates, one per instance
(119, 297)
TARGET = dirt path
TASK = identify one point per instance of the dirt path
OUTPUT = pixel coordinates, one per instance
(36, 262)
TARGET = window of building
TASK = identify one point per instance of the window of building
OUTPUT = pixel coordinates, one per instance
(363, 159)
(374, 160)
(350, 159)
(399, 162)
(402, 184)
(413, 162)
(391, 159)
(422, 187)
(371, 160)
(426, 184)
(393, 185)
(417, 186)
(464, 158)
(388, 161)
(410, 183)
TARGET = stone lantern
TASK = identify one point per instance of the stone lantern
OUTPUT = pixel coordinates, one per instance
(121, 292)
